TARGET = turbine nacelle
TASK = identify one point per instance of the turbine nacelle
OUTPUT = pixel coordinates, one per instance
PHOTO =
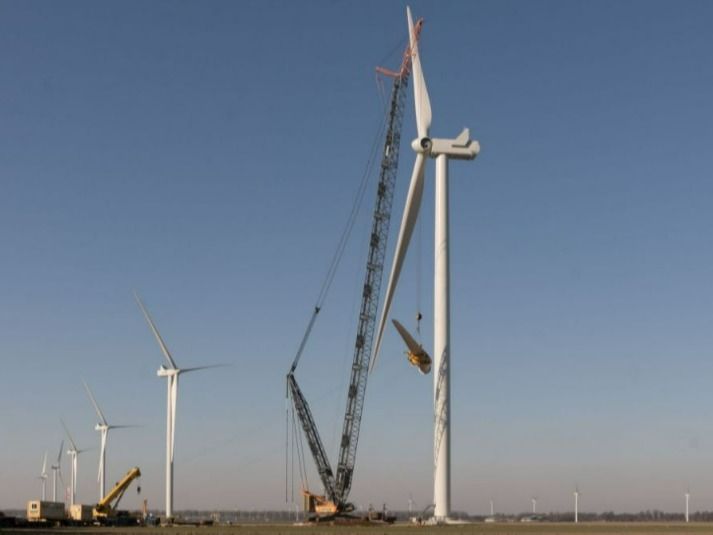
(460, 148)
(167, 372)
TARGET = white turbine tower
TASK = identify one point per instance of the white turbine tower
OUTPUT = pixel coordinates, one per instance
(534, 505)
(103, 427)
(43, 477)
(57, 470)
(171, 374)
(73, 453)
(443, 150)
(576, 505)
(688, 496)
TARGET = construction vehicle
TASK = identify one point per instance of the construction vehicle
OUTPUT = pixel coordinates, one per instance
(334, 502)
(105, 511)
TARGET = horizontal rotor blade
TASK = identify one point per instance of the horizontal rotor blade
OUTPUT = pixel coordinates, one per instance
(124, 426)
(164, 348)
(94, 402)
(196, 368)
(408, 221)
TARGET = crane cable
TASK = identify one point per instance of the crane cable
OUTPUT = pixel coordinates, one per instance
(342, 243)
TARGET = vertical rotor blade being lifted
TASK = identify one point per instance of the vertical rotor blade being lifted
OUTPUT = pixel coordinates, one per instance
(94, 402)
(421, 100)
(160, 341)
(408, 221)
(44, 465)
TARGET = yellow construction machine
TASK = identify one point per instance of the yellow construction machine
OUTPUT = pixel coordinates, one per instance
(105, 510)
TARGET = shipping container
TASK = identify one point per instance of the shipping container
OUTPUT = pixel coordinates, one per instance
(80, 513)
(38, 511)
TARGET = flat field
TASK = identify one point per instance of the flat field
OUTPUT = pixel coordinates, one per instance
(396, 529)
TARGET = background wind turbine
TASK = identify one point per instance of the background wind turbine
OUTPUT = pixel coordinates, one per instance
(534, 504)
(688, 496)
(57, 471)
(443, 150)
(73, 453)
(171, 373)
(576, 505)
(103, 427)
(43, 476)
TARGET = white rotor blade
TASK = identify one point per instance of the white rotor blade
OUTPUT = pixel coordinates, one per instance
(69, 436)
(123, 426)
(44, 465)
(420, 93)
(411, 343)
(196, 368)
(102, 454)
(94, 402)
(160, 341)
(408, 221)
(59, 455)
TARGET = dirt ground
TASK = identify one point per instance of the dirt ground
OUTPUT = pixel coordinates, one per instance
(396, 529)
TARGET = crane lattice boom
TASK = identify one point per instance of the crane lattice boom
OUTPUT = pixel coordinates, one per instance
(337, 487)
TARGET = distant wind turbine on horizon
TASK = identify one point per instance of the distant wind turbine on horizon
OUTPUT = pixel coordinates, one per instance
(57, 471)
(576, 504)
(43, 476)
(73, 453)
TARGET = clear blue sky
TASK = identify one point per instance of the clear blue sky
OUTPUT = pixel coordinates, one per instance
(207, 154)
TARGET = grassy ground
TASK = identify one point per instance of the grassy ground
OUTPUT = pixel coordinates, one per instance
(398, 529)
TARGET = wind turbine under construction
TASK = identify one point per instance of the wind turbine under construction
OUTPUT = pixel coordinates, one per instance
(171, 373)
(443, 150)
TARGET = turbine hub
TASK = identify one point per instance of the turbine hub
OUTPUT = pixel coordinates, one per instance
(422, 145)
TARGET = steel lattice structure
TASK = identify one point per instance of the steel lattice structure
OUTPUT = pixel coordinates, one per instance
(337, 488)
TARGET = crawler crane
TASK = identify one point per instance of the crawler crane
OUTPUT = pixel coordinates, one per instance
(334, 503)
